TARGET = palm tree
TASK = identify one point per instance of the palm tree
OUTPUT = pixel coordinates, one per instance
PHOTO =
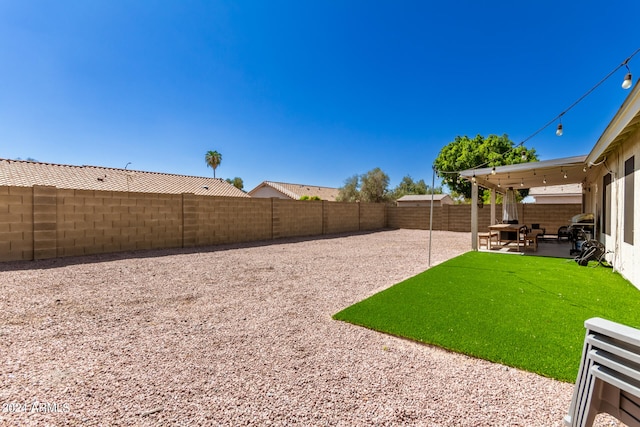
(213, 159)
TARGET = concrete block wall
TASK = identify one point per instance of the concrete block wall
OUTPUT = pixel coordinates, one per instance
(45, 222)
(295, 218)
(410, 217)
(458, 217)
(373, 216)
(16, 223)
(91, 222)
(551, 217)
(341, 217)
(222, 220)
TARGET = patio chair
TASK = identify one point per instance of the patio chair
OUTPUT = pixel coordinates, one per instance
(541, 231)
(487, 238)
(532, 235)
(563, 233)
(609, 375)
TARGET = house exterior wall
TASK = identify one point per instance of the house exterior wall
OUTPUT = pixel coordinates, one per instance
(402, 204)
(555, 200)
(446, 200)
(626, 256)
(269, 192)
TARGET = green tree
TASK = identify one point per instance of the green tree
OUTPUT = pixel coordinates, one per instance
(350, 192)
(236, 182)
(370, 187)
(213, 159)
(408, 186)
(464, 153)
(374, 186)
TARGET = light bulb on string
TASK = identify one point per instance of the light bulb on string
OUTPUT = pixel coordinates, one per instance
(559, 130)
(493, 171)
(544, 180)
(628, 80)
(521, 182)
(565, 175)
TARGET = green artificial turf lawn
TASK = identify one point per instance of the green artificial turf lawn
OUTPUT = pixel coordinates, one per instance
(524, 312)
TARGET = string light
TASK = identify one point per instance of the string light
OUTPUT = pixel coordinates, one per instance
(544, 180)
(565, 175)
(627, 83)
(521, 182)
(498, 183)
(493, 171)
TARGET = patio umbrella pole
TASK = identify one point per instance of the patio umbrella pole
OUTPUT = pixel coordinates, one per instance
(433, 179)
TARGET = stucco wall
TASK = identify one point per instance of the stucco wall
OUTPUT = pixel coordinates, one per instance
(625, 257)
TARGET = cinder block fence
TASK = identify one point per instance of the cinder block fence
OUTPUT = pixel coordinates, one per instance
(42, 222)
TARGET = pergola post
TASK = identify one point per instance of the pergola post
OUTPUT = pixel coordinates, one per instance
(474, 216)
(493, 206)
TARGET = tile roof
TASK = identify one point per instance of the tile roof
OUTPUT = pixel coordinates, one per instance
(296, 191)
(21, 173)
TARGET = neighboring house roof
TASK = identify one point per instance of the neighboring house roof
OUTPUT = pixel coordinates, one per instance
(296, 191)
(423, 197)
(21, 173)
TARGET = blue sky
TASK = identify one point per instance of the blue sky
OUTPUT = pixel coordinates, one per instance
(308, 92)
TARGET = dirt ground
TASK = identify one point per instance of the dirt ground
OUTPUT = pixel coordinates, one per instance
(243, 335)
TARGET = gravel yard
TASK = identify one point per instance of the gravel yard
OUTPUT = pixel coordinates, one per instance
(243, 335)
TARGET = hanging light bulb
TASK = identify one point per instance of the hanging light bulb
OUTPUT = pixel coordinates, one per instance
(523, 155)
(544, 180)
(498, 183)
(473, 179)
(521, 182)
(628, 80)
(565, 175)
(559, 130)
(584, 169)
(493, 171)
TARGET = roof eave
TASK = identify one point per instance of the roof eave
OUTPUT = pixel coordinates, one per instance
(626, 119)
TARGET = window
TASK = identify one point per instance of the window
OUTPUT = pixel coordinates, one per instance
(629, 166)
(606, 204)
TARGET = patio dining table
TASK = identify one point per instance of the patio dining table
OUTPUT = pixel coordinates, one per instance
(509, 233)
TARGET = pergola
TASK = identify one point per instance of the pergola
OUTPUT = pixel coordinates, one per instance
(568, 170)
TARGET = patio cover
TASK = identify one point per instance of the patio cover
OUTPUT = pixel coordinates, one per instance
(567, 170)
(531, 174)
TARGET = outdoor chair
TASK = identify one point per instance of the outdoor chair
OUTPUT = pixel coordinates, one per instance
(532, 235)
(487, 238)
(609, 376)
(563, 233)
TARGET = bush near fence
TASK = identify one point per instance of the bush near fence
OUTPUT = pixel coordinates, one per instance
(42, 222)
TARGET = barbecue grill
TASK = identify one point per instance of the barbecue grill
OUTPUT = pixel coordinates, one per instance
(580, 230)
